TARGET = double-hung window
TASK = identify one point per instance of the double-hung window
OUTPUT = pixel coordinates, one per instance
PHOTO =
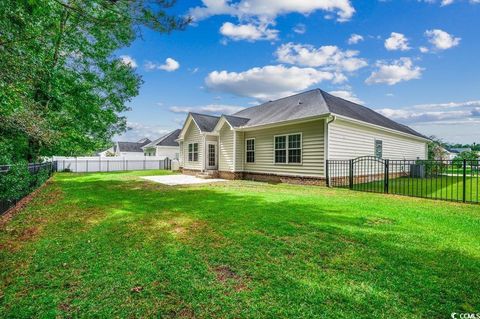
(250, 150)
(288, 149)
(193, 152)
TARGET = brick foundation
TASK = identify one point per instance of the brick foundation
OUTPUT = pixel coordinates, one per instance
(272, 178)
(189, 171)
(269, 178)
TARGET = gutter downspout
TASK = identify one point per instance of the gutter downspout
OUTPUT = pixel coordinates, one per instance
(327, 146)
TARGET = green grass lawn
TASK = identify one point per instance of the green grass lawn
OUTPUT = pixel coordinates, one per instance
(112, 245)
(439, 187)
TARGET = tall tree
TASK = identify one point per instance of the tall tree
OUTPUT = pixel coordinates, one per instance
(62, 89)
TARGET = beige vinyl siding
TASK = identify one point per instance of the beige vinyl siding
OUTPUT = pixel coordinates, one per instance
(350, 140)
(226, 156)
(193, 135)
(312, 150)
(240, 149)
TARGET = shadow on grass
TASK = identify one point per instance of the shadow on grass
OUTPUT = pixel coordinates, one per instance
(298, 256)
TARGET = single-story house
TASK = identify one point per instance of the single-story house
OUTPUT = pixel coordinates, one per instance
(290, 139)
(165, 146)
(133, 149)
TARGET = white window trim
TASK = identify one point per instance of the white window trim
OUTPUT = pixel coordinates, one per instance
(254, 150)
(193, 152)
(286, 149)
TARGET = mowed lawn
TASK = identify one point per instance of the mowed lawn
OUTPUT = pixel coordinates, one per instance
(114, 245)
(440, 187)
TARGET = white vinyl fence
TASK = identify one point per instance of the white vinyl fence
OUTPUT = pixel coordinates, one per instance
(112, 164)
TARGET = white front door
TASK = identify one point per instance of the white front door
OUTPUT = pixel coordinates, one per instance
(212, 155)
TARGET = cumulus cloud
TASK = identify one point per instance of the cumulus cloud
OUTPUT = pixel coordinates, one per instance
(436, 113)
(327, 57)
(170, 65)
(347, 95)
(215, 109)
(397, 41)
(128, 61)
(269, 10)
(441, 40)
(444, 3)
(249, 32)
(300, 28)
(394, 72)
(268, 82)
(137, 131)
(355, 38)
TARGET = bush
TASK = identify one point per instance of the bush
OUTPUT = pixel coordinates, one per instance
(16, 183)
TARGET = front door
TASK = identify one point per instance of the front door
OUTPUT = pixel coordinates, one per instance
(212, 155)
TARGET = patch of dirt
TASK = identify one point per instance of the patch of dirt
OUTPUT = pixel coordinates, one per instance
(53, 197)
(379, 221)
(186, 313)
(225, 274)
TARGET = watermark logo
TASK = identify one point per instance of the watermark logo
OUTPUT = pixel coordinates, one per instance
(465, 315)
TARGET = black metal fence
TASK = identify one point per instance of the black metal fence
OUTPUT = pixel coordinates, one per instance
(34, 181)
(452, 180)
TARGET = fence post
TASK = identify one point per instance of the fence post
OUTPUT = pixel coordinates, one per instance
(86, 164)
(350, 180)
(464, 180)
(76, 164)
(386, 176)
(327, 172)
(108, 165)
(144, 160)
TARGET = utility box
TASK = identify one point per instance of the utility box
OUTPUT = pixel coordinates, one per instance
(417, 171)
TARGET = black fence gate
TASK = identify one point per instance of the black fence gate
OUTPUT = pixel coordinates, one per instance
(452, 180)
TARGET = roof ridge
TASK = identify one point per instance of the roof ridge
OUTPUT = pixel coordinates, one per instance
(280, 99)
(192, 113)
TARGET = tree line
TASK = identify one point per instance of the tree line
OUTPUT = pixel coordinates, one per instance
(62, 88)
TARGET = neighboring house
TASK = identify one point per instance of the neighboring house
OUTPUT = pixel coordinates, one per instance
(291, 138)
(126, 149)
(165, 146)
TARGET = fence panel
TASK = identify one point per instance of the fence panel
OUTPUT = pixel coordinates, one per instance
(35, 181)
(101, 164)
(455, 180)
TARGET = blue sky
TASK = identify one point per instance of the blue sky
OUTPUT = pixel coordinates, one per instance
(414, 61)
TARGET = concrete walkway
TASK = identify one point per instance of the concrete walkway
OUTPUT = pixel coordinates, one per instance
(173, 180)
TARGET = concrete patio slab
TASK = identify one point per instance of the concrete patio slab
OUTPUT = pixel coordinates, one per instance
(173, 180)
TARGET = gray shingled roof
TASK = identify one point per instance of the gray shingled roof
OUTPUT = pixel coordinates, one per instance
(236, 121)
(166, 140)
(131, 146)
(316, 103)
(206, 123)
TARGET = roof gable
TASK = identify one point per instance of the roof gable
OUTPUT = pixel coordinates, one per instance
(206, 123)
(168, 139)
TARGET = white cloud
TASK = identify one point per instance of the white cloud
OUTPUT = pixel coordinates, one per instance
(347, 95)
(441, 40)
(437, 113)
(397, 41)
(300, 28)
(328, 57)
(395, 72)
(424, 49)
(264, 10)
(355, 38)
(268, 82)
(453, 122)
(249, 32)
(216, 109)
(170, 65)
(137, 131)
(128, 61)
